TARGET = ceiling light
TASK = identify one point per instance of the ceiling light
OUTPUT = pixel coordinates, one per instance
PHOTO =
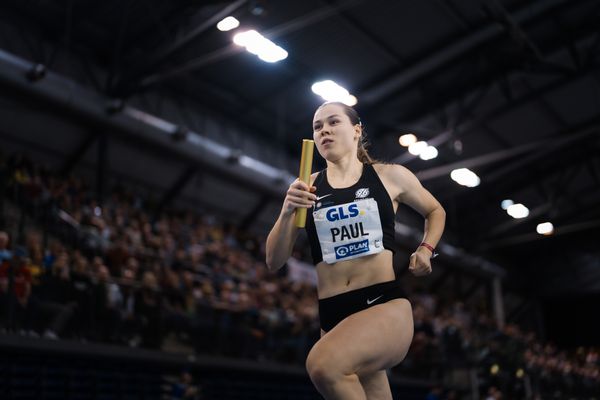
(417, 147)
(259, 45)
(331, 91)
(518, 211)
(465, 177)
(227, 24)
(407, 139)
(506, 203)
(545, 228)
(428, 153)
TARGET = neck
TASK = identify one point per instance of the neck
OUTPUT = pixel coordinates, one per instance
(346, 168)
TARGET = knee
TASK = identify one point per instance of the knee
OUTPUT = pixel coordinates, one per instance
(321, 368)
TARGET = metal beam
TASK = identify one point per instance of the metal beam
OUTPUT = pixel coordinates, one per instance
(254, 213)
(456, 95)
(69, 98)
(101, 168)
(567, 137)
(176, 188)
(471, 290)
(518, 310)
(478, 161)
(475, 124)
(167, 51)
(426, 66)
(78, 154)
(228, 51)
(530, 237)
(437, 284)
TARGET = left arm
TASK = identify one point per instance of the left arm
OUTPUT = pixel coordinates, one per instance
(417, 197)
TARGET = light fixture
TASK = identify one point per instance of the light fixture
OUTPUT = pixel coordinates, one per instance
(506, 203)
(407, 139)
(227, 24)
(545, 228)
(465, 177)
(331, 91)
(428, 153)
(518, 211)
(259, 45)
(416, 148)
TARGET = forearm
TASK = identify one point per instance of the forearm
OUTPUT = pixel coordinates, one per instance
(434, 226)
(280, 241)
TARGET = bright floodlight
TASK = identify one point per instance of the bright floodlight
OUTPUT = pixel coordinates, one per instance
(429, 153)
(506, 203)
(417, 147)
(465, 177)
(257, 44)
(407, 139)
(518, 211)
(331, 91)
(227, 24)
(545, 228)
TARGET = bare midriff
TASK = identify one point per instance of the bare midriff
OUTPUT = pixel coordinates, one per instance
(357, 273)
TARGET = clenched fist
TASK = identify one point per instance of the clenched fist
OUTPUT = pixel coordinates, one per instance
(299, 195)
(420, 262)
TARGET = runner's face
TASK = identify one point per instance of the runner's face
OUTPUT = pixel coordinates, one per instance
(333, 132)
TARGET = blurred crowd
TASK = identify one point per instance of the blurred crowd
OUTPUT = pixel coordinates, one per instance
(124, 271)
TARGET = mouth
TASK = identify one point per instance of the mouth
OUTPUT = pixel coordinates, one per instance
(326, 141)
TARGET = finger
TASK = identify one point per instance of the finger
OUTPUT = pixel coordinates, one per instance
(301, 185)
(413, 261)
(302, 201)
(301, 194)
(300, 205)
(313, 189)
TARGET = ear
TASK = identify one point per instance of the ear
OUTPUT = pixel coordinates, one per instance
(357, 131)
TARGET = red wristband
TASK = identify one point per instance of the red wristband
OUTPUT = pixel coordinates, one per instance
(430, 248)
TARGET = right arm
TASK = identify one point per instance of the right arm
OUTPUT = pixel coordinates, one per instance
(282, 237)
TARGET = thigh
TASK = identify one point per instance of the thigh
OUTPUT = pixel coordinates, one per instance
(371, 340)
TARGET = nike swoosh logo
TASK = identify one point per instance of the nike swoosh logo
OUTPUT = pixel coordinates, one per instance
(322, 197)
(369, 302)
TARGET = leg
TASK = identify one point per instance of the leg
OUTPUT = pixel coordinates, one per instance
(376, 386)
(361, 345)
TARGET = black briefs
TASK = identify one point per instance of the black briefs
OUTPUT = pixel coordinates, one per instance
(332, 310)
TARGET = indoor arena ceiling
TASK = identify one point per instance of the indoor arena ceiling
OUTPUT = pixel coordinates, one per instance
(510, 89)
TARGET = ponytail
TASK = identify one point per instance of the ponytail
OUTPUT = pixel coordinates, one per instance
(362, 153)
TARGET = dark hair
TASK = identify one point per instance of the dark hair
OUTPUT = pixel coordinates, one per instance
(363, 143)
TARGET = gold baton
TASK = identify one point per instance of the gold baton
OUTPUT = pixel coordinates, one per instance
(305, 170)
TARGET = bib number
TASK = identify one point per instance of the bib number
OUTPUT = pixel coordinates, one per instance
(350, 230)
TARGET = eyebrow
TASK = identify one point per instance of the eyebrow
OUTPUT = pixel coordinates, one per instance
(331, 116)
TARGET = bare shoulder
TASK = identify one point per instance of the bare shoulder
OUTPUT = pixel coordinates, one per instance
(394, 174)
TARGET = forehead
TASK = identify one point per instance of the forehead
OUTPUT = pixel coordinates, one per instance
(328, 110)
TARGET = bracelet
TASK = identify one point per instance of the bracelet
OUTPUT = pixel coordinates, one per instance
(430, 248)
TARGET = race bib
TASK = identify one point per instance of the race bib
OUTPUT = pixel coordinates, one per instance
(348, 231)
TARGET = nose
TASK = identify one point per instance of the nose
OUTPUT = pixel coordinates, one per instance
(325, 130)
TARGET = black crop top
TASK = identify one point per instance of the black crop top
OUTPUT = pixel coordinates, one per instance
(350, 222)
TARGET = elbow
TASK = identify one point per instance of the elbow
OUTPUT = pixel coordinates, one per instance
(437, 214)
(269, 263)
(442, 212)
(272, 264)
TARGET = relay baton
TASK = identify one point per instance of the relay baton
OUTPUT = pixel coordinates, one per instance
(305, 170)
